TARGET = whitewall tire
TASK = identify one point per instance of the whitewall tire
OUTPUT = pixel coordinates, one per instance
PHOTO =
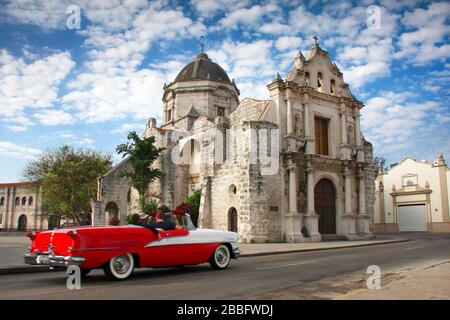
(220, 258)
(120, 267)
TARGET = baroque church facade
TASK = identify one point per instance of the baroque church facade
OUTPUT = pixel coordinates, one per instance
(320, 179)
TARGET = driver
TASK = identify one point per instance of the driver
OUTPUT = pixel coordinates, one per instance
(160, 223)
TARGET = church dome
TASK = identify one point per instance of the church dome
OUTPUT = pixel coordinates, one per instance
(202, 68)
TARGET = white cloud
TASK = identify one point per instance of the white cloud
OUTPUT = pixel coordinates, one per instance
(357, 76)
(127, 127)
(288, 43)
(275, 28)
(428, 33)
(398, 127)
(110, 86)
(209, 8)
(13, 150)
(16, 123)
(33, 85)
(248, 16)
(97, 97)
(85, 142)
(310, 23)
(51, 14)
(54, 117)
(245, 60)
(48, 14)
(15, 128)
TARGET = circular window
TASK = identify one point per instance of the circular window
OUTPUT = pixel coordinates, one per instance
(232, 190)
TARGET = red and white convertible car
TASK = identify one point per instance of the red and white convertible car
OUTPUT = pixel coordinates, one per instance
(120, 249)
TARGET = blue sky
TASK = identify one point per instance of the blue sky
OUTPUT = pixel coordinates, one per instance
(89, 87)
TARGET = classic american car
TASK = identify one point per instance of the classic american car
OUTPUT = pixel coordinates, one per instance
(119, 249)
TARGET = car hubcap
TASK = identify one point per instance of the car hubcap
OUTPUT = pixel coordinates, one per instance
(221, 256)
(121, 264)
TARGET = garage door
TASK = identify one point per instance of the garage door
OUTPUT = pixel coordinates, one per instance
(412, 218)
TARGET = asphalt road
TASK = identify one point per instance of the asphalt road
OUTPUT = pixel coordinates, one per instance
(246, 278)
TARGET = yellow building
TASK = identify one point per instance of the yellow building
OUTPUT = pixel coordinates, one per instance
(413, 196)
(20, 207)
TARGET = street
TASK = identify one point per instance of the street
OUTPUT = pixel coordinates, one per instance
(308, 275)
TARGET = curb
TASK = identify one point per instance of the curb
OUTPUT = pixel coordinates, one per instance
(35, 269)
(320, 249)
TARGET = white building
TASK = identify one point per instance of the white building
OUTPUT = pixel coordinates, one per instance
(413, 196)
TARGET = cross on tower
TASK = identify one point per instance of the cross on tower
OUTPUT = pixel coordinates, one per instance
(202, 43)
(315, 40)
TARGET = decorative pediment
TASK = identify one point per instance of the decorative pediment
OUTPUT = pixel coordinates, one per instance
(316, 70)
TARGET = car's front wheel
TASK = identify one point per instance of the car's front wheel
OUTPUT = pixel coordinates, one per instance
(220, 258)
(120, 267)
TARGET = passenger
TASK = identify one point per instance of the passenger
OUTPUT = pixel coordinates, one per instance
(161, 222)
(136, 220)
(179, 222)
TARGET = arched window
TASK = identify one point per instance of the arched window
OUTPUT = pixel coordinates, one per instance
(319, 82)
(232, 220)
(2, 201)
(333, 87)
(30, 201)
(17, 201)
(307, 79)
(24, 201)
(22, 223)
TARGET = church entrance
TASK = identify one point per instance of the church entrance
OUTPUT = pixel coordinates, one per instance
(232, 220)
(325, 206)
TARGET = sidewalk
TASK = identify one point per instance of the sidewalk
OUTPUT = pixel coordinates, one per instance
(279, 248)
(12, 250)
(431, 282)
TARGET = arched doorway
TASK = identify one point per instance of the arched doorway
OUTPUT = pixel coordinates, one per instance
(325, 206)
(112, 213)
(232, 220)
(22, 224)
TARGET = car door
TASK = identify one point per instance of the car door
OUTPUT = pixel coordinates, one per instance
(169, 250)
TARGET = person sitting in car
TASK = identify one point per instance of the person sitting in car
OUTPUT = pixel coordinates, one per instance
(179, 222)
(160, 223)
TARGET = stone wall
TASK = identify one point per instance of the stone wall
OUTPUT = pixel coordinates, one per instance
(253, 196)
(113, 189)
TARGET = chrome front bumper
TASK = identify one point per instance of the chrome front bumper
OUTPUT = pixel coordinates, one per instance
(52, 260)
(236, 251)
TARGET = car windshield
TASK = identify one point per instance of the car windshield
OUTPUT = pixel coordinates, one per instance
(187, 223)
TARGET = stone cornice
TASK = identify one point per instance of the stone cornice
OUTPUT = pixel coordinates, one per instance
(407, 193)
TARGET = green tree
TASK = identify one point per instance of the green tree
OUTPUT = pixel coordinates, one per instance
(67, 180)
(141, 154)
(194, 201)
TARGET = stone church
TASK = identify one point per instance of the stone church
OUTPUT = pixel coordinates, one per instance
(318, 185)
